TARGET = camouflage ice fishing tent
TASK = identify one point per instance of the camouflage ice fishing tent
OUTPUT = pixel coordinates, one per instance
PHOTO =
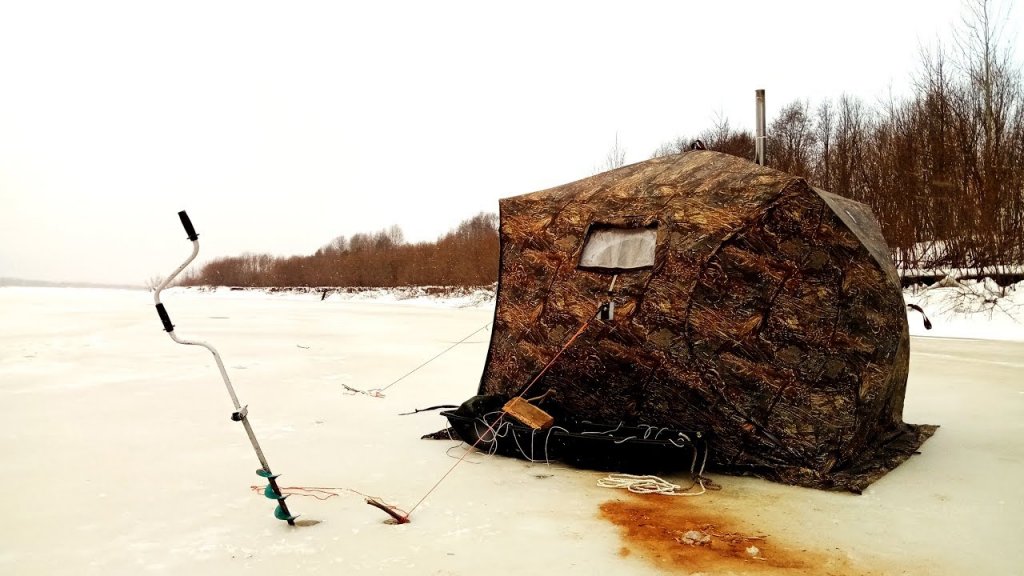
(747, 304)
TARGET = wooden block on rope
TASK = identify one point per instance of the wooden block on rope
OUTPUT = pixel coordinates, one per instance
(528, 414)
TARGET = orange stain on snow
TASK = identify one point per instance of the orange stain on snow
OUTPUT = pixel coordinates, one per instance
(681, 535)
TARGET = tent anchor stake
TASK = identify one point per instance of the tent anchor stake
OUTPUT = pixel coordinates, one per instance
(399, 518)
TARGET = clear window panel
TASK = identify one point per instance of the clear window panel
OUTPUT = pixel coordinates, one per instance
(619, 248)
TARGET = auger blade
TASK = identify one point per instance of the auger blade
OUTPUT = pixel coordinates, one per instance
(269, 492)
(280, 514)
(264, 474)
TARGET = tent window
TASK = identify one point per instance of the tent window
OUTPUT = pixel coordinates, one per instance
(619, 249)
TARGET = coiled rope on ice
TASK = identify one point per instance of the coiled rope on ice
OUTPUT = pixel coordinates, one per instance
(648, 485)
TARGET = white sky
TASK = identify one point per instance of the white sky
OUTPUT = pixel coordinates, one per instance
(280, 126)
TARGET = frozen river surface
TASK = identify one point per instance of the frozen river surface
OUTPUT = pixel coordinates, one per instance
(119, 457)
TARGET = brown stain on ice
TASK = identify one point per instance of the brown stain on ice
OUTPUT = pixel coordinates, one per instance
(653, 528)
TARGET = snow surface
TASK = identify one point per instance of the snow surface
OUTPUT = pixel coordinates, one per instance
(119, 456)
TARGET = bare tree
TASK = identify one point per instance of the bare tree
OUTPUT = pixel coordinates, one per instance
(616, 157)
(679, 144)
(824, 135)
(154, 282)
(791, 139)
(339, 244)
(722, 138)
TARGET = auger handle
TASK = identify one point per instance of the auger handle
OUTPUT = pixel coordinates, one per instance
(188, 226)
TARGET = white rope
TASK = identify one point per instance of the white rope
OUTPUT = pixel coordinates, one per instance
(647, 485)
(601, 433)
(504, 429)
(648, 429)
(548, 439)
(636, 484)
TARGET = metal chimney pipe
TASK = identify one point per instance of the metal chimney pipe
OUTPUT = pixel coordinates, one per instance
(761, 140)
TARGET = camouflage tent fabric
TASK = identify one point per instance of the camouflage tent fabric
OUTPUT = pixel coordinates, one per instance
(770, 315)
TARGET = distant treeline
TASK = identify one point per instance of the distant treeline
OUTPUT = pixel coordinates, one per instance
(466, 256)
(943, 169)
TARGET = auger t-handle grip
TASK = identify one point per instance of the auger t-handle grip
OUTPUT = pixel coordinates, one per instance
(188, 226)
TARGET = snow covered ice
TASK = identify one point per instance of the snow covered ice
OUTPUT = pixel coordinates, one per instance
(119, 456)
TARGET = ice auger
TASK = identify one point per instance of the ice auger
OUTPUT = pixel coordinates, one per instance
(240, 414)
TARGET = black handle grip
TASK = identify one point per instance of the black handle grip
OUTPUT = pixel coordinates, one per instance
(188, 226)
(164, 318)
(916, 308)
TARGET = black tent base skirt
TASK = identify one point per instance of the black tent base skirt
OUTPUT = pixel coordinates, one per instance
(618, 448)
(642, 449)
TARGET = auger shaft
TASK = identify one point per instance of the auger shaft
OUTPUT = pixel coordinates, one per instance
(241, 412)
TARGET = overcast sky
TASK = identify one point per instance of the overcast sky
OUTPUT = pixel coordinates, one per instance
(281, 126)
